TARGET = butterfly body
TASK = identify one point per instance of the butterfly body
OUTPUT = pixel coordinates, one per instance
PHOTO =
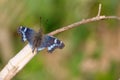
(39, 41)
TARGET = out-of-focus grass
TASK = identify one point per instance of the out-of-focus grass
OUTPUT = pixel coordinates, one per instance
(91, 50)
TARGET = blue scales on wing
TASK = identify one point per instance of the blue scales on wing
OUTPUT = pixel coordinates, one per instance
(36, 40)
(26, 34)
(51, 43)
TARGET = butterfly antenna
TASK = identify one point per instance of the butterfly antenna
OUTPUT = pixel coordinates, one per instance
(40, 21)
(40, 31)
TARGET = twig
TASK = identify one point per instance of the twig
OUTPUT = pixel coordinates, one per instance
(84, 21)
(25, 55)
(97, 18)
(99, 10)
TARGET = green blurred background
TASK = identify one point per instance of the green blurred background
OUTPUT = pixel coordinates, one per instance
(92, 50)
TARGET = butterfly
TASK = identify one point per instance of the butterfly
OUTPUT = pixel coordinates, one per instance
(39, 41)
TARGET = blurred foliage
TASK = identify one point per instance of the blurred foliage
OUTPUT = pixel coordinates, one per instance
(92, 50)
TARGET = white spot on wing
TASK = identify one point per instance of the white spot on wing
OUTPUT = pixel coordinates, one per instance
(24, 37)
(20, 27)
(61, 42)
(51, 47)
(55, 41)
(25, 29)
(23, 33)
(39, 49)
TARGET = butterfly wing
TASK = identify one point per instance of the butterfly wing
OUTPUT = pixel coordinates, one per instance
(26, 34)
(51, 43)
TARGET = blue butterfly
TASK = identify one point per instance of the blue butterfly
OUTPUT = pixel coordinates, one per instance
(39, 41)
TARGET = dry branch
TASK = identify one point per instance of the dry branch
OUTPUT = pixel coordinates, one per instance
(84, 21)
(25, 55)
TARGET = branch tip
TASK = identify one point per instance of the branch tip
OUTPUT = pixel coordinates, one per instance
(99, 9)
